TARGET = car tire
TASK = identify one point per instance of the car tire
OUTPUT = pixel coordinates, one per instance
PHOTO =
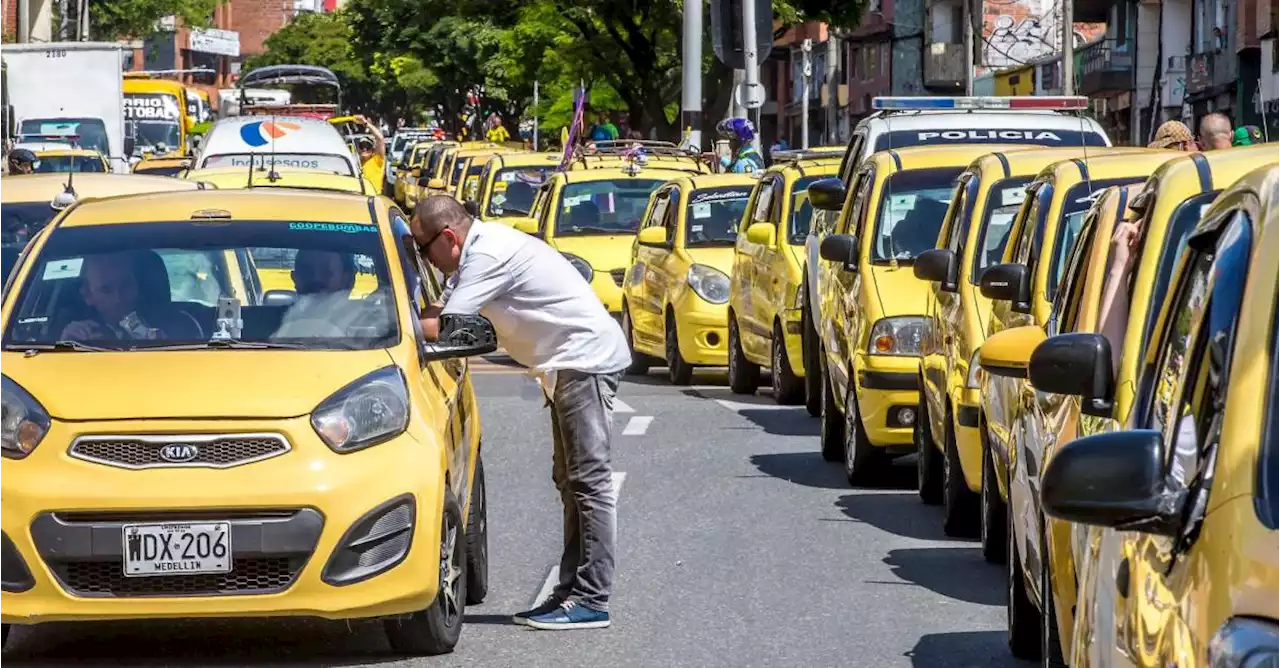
(1021, 616)
(832, 431)
(961, 507)
(928, 459)
(436, 629)
(679, 372)
(788, 388)
(1050, 643)
(744, 377)
(863, 462)
(993, 520)
(478, 539)
(639, 362)
(808, 351)
(4, 636)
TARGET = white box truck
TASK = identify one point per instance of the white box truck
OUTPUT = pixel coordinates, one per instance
(70, 88)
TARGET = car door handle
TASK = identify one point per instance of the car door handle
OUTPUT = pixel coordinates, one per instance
(1122, 578)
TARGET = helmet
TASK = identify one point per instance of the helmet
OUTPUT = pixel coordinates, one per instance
(21, 159)
(736, 128)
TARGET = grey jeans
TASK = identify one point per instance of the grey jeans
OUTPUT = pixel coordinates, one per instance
(581, 425)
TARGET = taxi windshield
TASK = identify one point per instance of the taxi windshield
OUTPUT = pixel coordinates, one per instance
(21, 220)
(61, 164)
(801, 210)
(1003, 201)
(459, 167)
(912, 206)
(1079, 198)
(149, 134)
(89, 132)
(603, 207)
(714, 215)
(514, 189)
(171, 285)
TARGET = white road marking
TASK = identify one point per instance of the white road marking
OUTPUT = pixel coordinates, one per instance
(740, 402)
(616, 483)
(553, 573)
(620, 406)
(637, 425)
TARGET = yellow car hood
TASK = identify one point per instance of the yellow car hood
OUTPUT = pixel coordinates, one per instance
(187, 384)
(603, 253)
(899, 291)
(717, 258)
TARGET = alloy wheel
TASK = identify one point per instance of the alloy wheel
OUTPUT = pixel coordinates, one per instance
(450, 575)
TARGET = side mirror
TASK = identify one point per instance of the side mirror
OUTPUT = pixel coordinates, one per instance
(461, 336)
(652, 236)
(129, 144)
(1077, 364)
(842, 248)
(1115, 479)
(939, 265)
(436, 184)
(763, 234)
(1008, 353)
(424, 182)
(526, 225)
(827, 194)
(1010, 282)
(279, 298)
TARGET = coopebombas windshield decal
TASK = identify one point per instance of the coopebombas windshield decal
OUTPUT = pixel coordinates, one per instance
(349, 228)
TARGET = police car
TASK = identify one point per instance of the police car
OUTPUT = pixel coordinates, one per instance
(283, 141)
(901, 122)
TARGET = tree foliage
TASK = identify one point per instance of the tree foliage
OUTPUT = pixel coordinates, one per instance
(110, 20)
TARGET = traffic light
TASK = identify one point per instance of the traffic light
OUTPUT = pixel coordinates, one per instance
(726, 31)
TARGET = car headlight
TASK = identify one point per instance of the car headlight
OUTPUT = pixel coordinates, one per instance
(973, 380)
(1244, 642)
(897, 336)
(709, 283)
(581, 265)
(366, 412)
(23, 420)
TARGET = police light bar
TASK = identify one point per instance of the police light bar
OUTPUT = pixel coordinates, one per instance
(1054, 103)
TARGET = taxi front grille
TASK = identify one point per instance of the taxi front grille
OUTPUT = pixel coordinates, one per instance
(202, 450)
(618, 275)
(247, 577)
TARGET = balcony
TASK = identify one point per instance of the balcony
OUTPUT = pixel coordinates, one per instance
(1105, 69)
(944, 66)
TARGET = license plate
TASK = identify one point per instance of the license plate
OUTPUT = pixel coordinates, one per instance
(179, 548)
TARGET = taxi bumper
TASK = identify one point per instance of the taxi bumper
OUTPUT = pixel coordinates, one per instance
(292, 518)
(888, 392)
(702, 329)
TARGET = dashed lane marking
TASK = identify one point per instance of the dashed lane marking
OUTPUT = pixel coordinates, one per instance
(637, 425)
(741, 402)
(620, 406)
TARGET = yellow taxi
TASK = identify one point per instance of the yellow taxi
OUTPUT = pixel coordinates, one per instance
(618, 154)
(1181, 558)
(765, 317)
(509, 183)
(949, 434)
(873, 307)
(162, 166)
(316, 457)
(592, 216)
(676, 291)
(456, 170)
(63, 160)
(409, 170)
(1033, 424)
(467, 188)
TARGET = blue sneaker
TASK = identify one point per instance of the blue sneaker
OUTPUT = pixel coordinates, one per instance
(570, 615)
(550, 605)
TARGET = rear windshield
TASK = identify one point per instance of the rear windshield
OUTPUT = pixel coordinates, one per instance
(146, 285)
(603, 207)
(327, 162)
(905, 138)
(801, 210)
(61, 164)
(912, 206)
(715, 214)
(1003, 201)
(1079, 198)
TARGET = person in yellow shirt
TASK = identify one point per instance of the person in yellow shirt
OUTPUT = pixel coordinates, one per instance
(497, 133)
(373, 156)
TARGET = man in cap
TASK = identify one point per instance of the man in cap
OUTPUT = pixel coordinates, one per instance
(1173, 135)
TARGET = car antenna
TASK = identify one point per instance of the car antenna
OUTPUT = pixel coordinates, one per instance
(272, 175)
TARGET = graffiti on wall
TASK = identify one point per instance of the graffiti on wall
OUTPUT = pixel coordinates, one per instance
(1013, 42)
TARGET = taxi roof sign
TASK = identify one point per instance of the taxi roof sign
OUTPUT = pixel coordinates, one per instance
(1049, 103)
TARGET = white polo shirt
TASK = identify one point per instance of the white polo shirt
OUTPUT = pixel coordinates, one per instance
(546, 316)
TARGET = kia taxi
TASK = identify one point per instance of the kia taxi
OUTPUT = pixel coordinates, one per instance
(765, 314)
(63, 160)
(1180, 565)
(509, 183)
(467, 187)
(873, 307)
(676, 292)
(458, 169)
(316, 457)
(409, 169)
(281, 142)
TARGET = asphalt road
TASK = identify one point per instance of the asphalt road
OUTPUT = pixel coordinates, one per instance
(738, 546)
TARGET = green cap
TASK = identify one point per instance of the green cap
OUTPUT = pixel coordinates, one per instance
(1246, 135)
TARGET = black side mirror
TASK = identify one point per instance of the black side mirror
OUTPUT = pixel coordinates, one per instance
(461, 336)
(1077, 364)
(424, 182)
(1117, 480)
(129, 144)
(279, 298)
(938, 264)
(1010, 282)
(841, 248)
(827, 194)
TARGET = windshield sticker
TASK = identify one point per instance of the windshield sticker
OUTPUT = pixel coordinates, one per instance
(151, 107)
(699, 198)
(329, 163)
(695, 229)
(349, 228)
(988, 135)
(63, 269)
(701, 211)
(1012, 196)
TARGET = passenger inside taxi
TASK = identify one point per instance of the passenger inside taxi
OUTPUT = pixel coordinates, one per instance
(917, 232)
(120, 309)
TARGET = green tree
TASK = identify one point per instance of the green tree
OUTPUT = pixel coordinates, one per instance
(110, 20)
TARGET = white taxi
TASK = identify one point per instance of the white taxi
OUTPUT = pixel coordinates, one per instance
(283, 141)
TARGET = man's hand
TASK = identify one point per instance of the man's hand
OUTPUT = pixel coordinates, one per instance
(83, 330)
(1124, 246)
(430, 320)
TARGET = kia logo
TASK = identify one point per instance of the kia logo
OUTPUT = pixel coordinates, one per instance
(179, 453)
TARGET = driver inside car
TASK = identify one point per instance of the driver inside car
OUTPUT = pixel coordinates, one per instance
(325, 308)
(109, 288)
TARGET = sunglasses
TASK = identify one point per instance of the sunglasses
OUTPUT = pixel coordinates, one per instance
(423, 248)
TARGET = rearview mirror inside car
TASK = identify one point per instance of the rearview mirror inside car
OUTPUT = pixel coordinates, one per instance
(1115, 479)
(842, 248)
(937, 265)
(827, 194)
(1008, 353)
(1077, 364)
(279, 298)
(652, 236)
(1009, 282)
(762, 234)
(461, 336)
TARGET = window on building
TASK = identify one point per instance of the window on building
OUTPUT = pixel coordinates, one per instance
(956, 35)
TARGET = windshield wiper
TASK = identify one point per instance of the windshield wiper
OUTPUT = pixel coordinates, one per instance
(58, 346)
(238, 344)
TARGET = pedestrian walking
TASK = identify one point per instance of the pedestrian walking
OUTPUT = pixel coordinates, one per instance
(1215, 132)
(550, 320)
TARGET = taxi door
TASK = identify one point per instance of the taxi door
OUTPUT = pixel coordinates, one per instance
(943, 308)
(656, 267)
(740, 276)
(774, 268)
(754, 322)
(840, 288)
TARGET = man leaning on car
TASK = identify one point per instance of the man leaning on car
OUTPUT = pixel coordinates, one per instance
(549, 320)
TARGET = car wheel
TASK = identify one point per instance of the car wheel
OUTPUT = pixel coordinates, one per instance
(639, 362)
(863, 462)
(808, 351)
(436, 629)
(679, 371)
(832, 432)
(993, 522)
(928, 459)
(744, 377)
(478, 539)
(1021, 616)
(1050, 644)
(788, 388)
(960, 504)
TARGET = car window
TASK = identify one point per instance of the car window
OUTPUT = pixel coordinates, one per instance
(603, 207)
(801, 210)
(912, 205)
(1266, 490)
(1170, 408)
(658, 214)
(1066, 306)
(1181, 223)
(514, 189)
(1004, 199)
(1025, 222)
(852, 157)
(764, 207)
(861, 193)
(713, 215)
(1074, 207)
(953, 230)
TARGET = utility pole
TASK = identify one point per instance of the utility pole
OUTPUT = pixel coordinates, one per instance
(691, 66)
(1068, 49)
(806, 73)
(535, 117)
(833, 88)
(753, 92)
(969, 28)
